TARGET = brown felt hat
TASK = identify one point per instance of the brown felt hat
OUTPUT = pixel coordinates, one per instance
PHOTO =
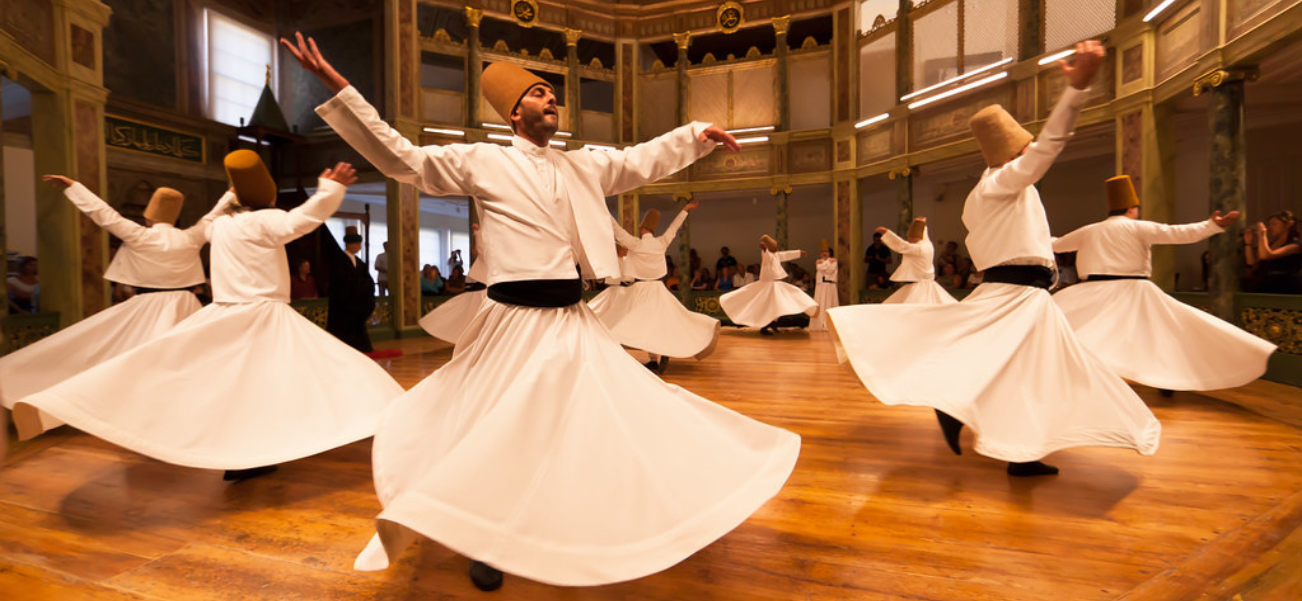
(253, 185)
(1121, 193)
(164, 206)
(917, 229)
(650, 220)
(998, 134)
(769, 243)
(822, 245)
(504, 84)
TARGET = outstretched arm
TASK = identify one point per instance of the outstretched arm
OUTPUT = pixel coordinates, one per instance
(97, 210)
(673, 228)
(622, 237)
(1161, 233)
(1071, 242)
(788, 255)
(312, 213)
(896, 243)
(623, 170)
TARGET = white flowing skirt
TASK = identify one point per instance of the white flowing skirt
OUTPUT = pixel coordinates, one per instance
(646, 316)
(1148, 337)
(757, 304)
(235, 386)
(826, 297)
(1005, 363)
(547, 451)
(921, 293)
(90, 342)
(448, 320)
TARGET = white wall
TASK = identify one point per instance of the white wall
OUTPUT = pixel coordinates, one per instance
(20, 199)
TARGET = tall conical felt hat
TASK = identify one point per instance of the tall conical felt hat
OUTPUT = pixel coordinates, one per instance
(998, 134)
(253, 185)
(351, 235)
(164, 206)
(650, 220)
(504, 84)
(918, 229)
(822, 245)
(769, 243)
(1121, 193)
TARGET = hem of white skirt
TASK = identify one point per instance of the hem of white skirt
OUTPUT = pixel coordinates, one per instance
(599, 564)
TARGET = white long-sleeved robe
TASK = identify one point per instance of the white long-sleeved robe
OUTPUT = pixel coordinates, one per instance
(1004, 361)
(760, 303)
(244, 382)
(825, 293)
(1137, 329)
(160, 257)
(917, 271)
(601, 472)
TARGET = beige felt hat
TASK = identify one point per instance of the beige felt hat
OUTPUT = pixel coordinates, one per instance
(998, 134)
(1121, 193)
(505, 83)
(164, 206)
(650, 220)
(253, 185)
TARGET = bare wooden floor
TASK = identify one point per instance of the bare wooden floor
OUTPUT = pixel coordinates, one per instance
(877, 508)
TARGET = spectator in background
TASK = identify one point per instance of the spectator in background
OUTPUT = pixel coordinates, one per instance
(1066, 270)
(1274, 251)
(948, 255)
(454, 260)
(382, 270)
(727, 261)
(303, 284)
(701, 279)
(456, 283)
(742, 277)
(949, 278)
(24, 286)
(672, 281)
(878, 258)
(695, 261)
(724, 282)
(430, 281)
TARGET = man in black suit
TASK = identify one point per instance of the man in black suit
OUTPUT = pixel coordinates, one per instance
(351, 290)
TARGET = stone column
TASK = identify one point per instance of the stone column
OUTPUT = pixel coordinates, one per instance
(473, 67)
(682, 113)
(402, 209)
(904, 197)
(781, 77)
(1030, 30)
(684, 250)
(573, 90)
(903, 50)
(782, 195)
(849, 239)
(628, 211)
(1226, 186)
(1147, 155)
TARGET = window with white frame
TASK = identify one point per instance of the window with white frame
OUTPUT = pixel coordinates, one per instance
(236, 60)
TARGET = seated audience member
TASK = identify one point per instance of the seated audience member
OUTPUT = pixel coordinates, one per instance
(742, 277)
(456, 283)
(725, 278)
(701, 279)
(430, 281)
(302, 284)
(948, 277)
(24, 286)
(672, 280)
(726, 261)
(1274, 251)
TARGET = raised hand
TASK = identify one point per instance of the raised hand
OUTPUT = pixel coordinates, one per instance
(1085, 64)
(1224, 221)
(804, 254)
(718, 135)
(58, 181)
(309, 56)
(342, 173)
(691, 205)
(881, 230)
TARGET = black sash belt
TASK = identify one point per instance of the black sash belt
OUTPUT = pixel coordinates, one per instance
(1103, 277)
(538, 293)
(475, 287)
(153, 290)
(627, 284)
(827, 281)
(1035, 276)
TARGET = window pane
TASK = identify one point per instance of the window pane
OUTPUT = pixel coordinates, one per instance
(1069, 21)
(989, 32)
(935, 46)
(238, 57)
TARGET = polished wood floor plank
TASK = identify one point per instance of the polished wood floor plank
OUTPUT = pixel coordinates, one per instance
(877, 509)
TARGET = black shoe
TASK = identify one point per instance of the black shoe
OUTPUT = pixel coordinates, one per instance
(1166, 394)
(951, 428)
(1033, 468)
(241, 475)
(651, 365)
(486, 578)
(766, 330)
(664, 362)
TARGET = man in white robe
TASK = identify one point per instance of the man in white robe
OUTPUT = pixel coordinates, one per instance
(1132, 325)
(826, 270)
(1004, 362)
(542, 449)
(760, 304)
(917, 269)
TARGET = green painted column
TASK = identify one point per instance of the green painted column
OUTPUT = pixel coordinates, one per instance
(904, 197)
(473, 67)
(1030, 32)
(782, 196)
(681, 39)
(1226, 192)
(781, 76)
(573, 102)
(684, 250)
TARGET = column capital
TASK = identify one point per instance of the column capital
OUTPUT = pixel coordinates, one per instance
(572, 36)
(682, 196)
(780, 189)
(781, 24)
(681, 39)
(1219, 77)
(905, 171)
(473, 15)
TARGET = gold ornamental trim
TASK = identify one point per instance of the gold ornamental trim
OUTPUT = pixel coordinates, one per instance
(781, 24)
(1219, 77)
(473, 16)
(901, 172)
(572, 36)
(730, 16)
(525, 12)
(682, 196)
(782, 189)
(680, 39)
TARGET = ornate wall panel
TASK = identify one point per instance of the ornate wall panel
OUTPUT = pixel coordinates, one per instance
(1241, 15)
(749, 162)
(811, 91)
(875, 145)
(948, 122)
(31, 23)
(1178, 39)
(656, 105)
(139, 51)
(1132, 147)
(753, 102)
(809, 156)
(707, 97)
